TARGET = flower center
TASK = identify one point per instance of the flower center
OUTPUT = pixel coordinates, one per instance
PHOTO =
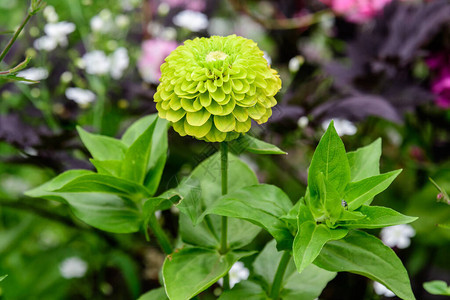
(216, 55)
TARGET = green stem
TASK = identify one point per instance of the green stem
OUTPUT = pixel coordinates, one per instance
(276, 285)
(223, 236)
(160, 235)
(15, 36)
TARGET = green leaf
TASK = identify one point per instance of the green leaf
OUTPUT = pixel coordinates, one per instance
(189, 271)
(377, 217)
(3, 277)
(331, 160)
(310, 240)
(364, 254)
(96, 183)
(104, 211)
(306, 285)
(107, 167)
(247, 290)
(208, 174)
(137, 157)
(190, 195)
(262, 205)
(251, 144)
(437, 287)
(362, 192)
(102, 147)
(156, 294)
(365, 161)
(159, 146)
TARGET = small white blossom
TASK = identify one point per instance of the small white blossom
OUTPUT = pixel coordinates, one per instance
(45, 43)
(342, 126)
(73, 267)
(50, 14)
(303, 122)
(96, 62)
(238, 272)
(295, 63)
(397, 236)
(268, 58)
(102, 22)
(382, 290)
(192, 20)
(59, 31)
(119, 61)
(33, 74)
(66, 77)
(81, 96)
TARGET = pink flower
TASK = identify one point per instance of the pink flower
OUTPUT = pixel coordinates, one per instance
(440, 84)
(154, 52)
(357, 11)
(197, 5)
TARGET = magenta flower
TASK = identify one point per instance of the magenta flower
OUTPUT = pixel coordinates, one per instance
(357, 11)
(440, 84)
(154, 52)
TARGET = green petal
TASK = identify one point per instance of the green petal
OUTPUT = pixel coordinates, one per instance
(179, 127)
(218, 95)
(243, 126)
(214, 108)
(198, 131)
(240, 113)
(215, 135)
(188, 105)
(175, 103)
(198, 118)
(237, 85)
(175, 115)
(257, 111)
(225, 123)
(211, 87)
(226, 87)
(205, 99)
(228, 108)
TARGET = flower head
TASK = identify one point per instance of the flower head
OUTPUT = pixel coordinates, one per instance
(73, 267)
(211, 88)
(238, 272)
(397, 236)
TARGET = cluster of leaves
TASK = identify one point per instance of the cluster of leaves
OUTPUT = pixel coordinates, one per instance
(119, 196)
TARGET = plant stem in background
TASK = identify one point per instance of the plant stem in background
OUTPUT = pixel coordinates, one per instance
(223, 237)
(15, 36)
(160, 235)
(278, 279)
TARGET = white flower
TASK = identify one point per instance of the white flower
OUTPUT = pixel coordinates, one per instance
(382, 290)
(33, 74)
(397, 236)
(119, 61)
(50, 14)
(268, 58)
(102, 22)
(192, 20)
(45, 43)
(59, 31)
(73, 267)
(342, 126)
(303, 122)
(81, 96)
(238, 272)
(96, 62)
(295, 63)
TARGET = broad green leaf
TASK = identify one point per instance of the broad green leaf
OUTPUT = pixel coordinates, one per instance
(377, 217)
(364, 254)
(202, 235)
(362, 192)
(159, 147)
(107, 167)
(306, 285)
(262, 205)
(190, 195)
(189, 271)
(437, 287)
(247, 290)
(251, 144)
(104, 211)
(151, 205)
(326, 205)
(330, 159)
(209, 176)
(96, 183)
(102, 147)
(310, 240)
(365, 161)
(137, 157)
(3, 277)
(156, 294)
(46, 190)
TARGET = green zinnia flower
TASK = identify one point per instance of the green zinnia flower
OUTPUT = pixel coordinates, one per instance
(211, 88)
